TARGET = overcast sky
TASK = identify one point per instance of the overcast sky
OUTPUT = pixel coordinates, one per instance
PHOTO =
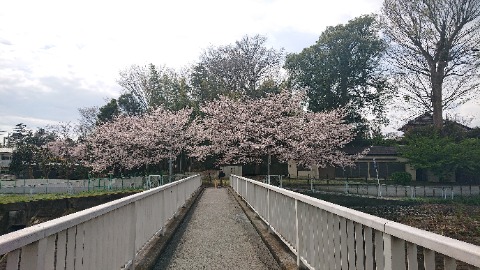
(58, 56)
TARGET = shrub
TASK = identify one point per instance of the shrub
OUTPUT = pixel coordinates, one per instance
(401, 178)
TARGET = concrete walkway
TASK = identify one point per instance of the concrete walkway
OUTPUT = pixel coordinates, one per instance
(216, 235)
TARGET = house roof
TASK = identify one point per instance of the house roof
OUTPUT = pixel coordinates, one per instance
(382, 151)
(374, 150)
(426, 119)
(6, 150)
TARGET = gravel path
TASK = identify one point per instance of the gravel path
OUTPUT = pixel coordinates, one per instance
(216, 235)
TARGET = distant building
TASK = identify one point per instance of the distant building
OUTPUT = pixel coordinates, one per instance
(5, 159)
(380, 160)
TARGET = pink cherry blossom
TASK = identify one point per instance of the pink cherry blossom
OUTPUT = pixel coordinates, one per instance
(244, 131)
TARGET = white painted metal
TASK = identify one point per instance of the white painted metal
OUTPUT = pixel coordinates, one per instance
(449, 263)
(351, 244)
(336, 241)
(79, 251)
(29, 256)
(13, 258)
(429, 259)
(344, 236)
(61, 250)
(70, 256)
(359, 247)
(107, 236)
(368, 235)
(379, 258)
(50, 253)
(412, 256)
(343, 244)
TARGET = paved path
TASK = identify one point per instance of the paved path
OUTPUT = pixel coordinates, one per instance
(216, 235)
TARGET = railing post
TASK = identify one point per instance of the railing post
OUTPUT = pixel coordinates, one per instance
(428, 259)
(297, 236)
(394, 250)
(268, 211)
(13, 258)
(133, 234)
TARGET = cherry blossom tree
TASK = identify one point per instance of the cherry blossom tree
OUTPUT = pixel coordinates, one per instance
(135, 141)
(65, 149)
(244, 131)
(237, 131)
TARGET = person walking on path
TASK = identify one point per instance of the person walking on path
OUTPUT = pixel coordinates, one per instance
(221, 174)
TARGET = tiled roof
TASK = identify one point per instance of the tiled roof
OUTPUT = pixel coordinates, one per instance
(425, 120)
(374, 150)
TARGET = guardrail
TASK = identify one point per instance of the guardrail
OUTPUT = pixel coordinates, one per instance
(328, 236)
(107, 236)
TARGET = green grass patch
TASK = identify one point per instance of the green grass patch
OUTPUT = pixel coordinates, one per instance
(15, 198)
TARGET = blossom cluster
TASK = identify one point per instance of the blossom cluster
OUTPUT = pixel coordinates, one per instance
(244, 131)
(134, 141)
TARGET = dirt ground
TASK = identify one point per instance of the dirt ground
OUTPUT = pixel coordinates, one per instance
(457, 221)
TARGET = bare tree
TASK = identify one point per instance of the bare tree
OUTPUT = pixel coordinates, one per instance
(135, 80)
(151, 86)
(433, 50)
(246, 68)
(87, 121)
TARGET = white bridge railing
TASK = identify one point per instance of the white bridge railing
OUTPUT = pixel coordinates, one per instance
(328, 236)
(107, 236)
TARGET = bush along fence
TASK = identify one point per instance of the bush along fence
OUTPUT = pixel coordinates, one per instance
(328, 236)
(107, 236)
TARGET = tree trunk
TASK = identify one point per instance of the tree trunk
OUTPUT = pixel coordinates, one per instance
(437, 81)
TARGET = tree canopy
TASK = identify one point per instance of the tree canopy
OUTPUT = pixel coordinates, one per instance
(245, 68)
(342, 70)
(148, 87)
(434, 45)
(244, 131)
(130, 142)
(441, 154)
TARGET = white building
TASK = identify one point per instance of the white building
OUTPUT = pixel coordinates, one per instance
(5, 159)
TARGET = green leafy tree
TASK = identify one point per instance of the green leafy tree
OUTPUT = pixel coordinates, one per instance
(170, 89)
(442, 155)
(20, 131)
(129, 105)
(434, 51)
(343, 70)
(30, 155)
(108, 111)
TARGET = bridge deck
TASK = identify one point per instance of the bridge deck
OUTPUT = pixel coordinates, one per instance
(216, 235)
